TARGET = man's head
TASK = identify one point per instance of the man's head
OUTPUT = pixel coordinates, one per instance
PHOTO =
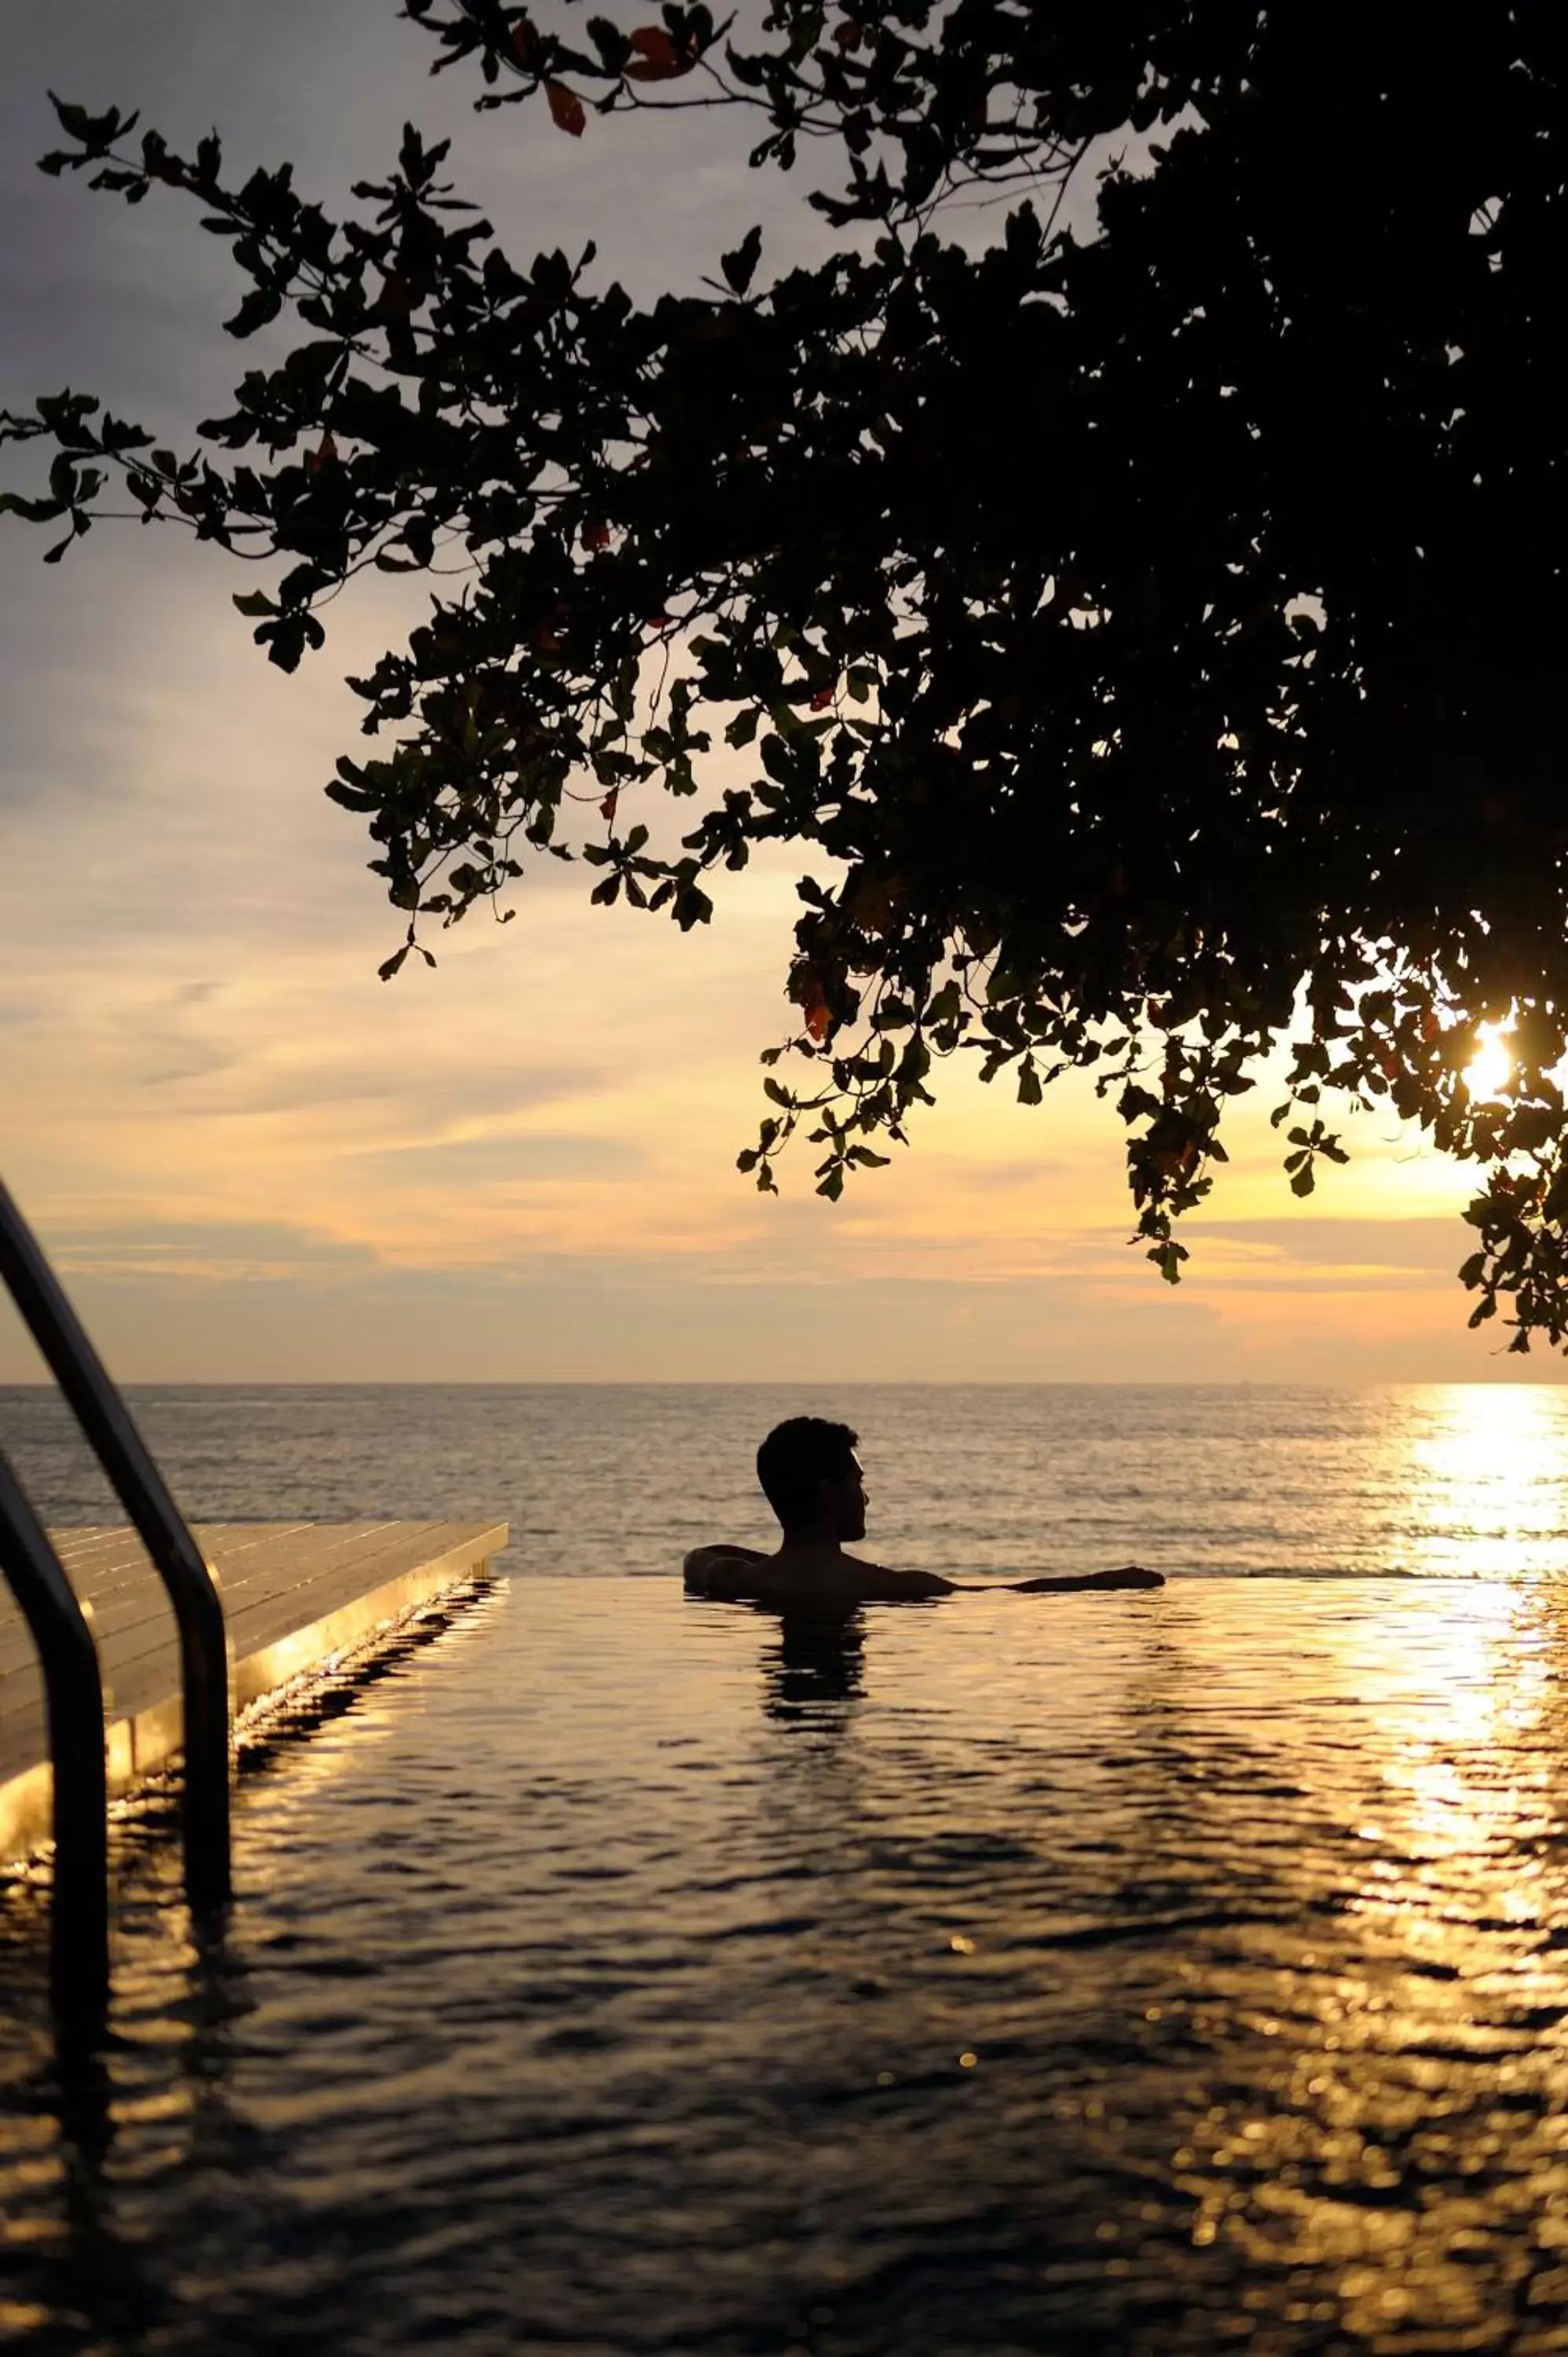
(812, 1478)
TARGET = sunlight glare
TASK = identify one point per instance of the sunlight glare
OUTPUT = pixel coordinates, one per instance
(1491, 1068)
(1483, 1479)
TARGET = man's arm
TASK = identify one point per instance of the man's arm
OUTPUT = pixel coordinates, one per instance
(885, 1586)
(703, 1560)
(1129, 1575)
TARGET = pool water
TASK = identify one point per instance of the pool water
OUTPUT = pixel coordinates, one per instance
(614, 1973)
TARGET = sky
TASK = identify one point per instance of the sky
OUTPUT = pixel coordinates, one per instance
(253, 1160)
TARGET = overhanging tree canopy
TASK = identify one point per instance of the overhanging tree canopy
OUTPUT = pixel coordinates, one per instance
(1160, 628)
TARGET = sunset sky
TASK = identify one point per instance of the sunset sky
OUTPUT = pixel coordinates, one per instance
(252, 1159)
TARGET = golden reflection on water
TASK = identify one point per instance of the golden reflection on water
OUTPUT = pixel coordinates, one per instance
(1486, 1465)
(1484, 1478)
(1405, 2120)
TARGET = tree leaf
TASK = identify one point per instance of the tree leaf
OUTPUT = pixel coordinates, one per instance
(739, 267)
(656, 57)
(566, 109)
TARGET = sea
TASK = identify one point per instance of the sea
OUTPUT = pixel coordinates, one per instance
(974, 1480)
(620, 1974)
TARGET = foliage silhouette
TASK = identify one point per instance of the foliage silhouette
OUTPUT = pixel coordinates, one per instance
(1157, 626)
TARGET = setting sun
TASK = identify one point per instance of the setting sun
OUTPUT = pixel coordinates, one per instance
(1491, 1068)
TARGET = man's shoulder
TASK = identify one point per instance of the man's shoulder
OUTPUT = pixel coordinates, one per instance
(879, 1583)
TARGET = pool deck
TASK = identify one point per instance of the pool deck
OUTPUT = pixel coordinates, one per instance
(297, 1595)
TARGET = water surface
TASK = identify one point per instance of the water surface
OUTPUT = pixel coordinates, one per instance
(1145, 1973)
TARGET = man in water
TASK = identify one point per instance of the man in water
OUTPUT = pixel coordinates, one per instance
(812, 1478)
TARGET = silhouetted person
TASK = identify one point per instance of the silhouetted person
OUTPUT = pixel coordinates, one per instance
(812, 1478)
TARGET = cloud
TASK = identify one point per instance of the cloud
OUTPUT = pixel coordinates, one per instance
(515, 1157)
(1371, 1251)
(212, 1252)
(260, 1306)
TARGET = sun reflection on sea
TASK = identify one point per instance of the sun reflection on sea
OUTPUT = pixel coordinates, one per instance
(1484, 1688)
(1405, 2005)
(1485, 1472)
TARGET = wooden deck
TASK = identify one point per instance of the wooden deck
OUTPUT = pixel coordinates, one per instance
(295, 1595)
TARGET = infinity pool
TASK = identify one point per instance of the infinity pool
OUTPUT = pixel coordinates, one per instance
(615, 1973)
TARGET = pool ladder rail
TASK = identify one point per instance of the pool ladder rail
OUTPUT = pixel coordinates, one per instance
(79, 1925)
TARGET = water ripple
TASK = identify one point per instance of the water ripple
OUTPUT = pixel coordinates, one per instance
(1143, 1975)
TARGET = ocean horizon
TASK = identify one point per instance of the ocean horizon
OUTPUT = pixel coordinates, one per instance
(978, 1480)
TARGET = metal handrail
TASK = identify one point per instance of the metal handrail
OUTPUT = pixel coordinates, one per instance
(198, 1614)
(73, 1693)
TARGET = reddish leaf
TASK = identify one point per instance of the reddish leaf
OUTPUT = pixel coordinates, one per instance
(808, 989)
(607, 807)
(566, 109)
(325, 455)
(596, 534)
(523, 37)
(657, 622)
(658, 59)
(823, 698)
(848, 36)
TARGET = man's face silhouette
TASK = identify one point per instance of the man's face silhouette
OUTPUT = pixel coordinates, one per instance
(846, 1501)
